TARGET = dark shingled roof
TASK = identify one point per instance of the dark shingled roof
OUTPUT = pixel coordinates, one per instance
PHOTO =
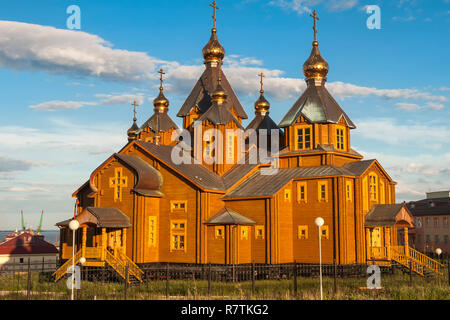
(430, 207)
(226, 216)
(262, 122)
(160, 119)
(359, 167)
(318, 106)
(220, 114)
(197, 173)
(149, 181)
(388, 215)
(258, 185)
(200, 94)
(319, 148)
(101, 217)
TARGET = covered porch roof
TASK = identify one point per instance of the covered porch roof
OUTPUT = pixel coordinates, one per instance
(226, 216)
(389, 215)
(101, 218)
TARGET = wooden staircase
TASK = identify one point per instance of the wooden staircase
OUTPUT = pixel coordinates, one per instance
(121, 264)
(408, 258)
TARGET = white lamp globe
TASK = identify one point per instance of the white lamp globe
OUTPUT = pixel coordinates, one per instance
(319, 222)
(74, 225)
(438, 251)
(82, 260)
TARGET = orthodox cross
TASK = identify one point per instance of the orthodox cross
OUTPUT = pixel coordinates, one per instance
(261, 75)
(315, 17)
(213, 5)
(135, 105)
(117, 182)
(161, 72)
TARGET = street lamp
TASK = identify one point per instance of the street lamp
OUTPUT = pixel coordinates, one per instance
(73, 225)
(319, 223)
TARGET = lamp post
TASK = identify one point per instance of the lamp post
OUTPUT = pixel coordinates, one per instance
(319, 223)
(73, 225)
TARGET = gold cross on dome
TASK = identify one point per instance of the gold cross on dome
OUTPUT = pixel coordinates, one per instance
(315, 17)
(261, 75)
(213, 5)
(135, 105)
(161, 72)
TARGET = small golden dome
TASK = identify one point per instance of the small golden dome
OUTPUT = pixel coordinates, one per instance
(316, 66)
(133, 131)
(219, 94)
(262, 105)
(213, 51)
(161, 103)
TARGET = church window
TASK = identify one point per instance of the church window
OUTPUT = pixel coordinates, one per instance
(301, 191)
(244, 233)
(348, 191)
(178, 235)
(152, 231)
(208, 147)
(259, 232)
(118, 182)
(178, 206)
(324, 232)
(340, 138)
(219, 232)
(373, 187)
(287, 195)
(322, 191)
(303, 138)
(302, 232)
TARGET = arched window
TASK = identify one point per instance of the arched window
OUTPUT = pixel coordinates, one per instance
(373, 186)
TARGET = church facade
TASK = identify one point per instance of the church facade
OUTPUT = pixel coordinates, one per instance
(142, 206)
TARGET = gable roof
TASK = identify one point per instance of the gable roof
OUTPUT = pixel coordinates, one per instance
(200, 94)
(318, 106)
(359, 167)
(226, 216)
(159, 122)
(388, 215)
(220, 114)
(262, 122)
(27, 243)
(101, 217)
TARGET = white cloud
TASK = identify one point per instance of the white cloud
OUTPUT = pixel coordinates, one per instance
(305, 6)
(414, 107)
(25, 46)
(58, 105)
(125, 99)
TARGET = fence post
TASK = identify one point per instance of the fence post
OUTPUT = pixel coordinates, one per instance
(295, 277)
(209, 279)
(167, 280)
(43, 262)
(253, 278)
(335, 275)
(127, 275)
(29, 280)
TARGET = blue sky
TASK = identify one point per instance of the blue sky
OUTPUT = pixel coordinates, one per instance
(66, 95)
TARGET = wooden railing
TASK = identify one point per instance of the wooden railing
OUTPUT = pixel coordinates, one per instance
(116, 264)
(132, 267)
(92, 253)
(407, 257)
(63, 269)
(425, 261)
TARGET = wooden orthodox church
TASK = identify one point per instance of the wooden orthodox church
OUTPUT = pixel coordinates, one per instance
(141, 207)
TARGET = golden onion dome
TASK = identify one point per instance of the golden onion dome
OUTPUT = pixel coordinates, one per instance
(316, 66)
(219, 94)
(213, 51)
(262, 105)
(133, 131)
(161, 103)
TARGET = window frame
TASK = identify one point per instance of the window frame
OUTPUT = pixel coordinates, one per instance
(319, 191)
(152, 242)
(177, 231)
(301, 228)
(301, 184)
(303, 135)
(173, 204)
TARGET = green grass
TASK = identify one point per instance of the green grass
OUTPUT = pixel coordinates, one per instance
(396, 287)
